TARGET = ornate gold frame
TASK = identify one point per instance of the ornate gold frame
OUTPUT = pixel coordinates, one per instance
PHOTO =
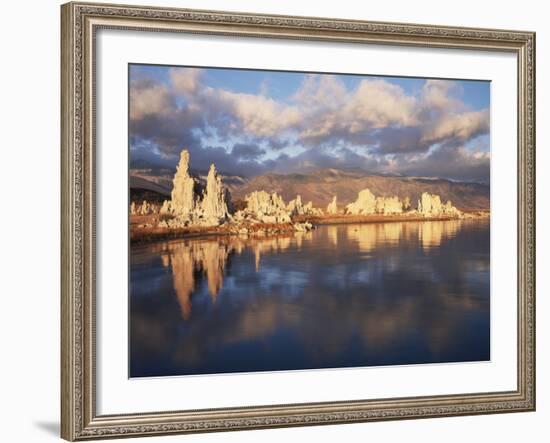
(79, 22)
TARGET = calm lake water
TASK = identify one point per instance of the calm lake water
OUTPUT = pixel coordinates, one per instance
(339, 296)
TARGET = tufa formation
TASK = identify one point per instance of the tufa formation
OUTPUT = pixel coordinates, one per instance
(429, 205)
(184, 189)
(332, 207)
(189, 206)
(196, 203)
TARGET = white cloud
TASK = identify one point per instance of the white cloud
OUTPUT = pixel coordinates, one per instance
(257, 115)
(460, 127)
(186, 80)
(147, 98)
(321, 91)
(379, 104)
(330, 109)
(441, 95)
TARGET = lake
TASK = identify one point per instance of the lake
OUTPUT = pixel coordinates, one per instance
(338, 296)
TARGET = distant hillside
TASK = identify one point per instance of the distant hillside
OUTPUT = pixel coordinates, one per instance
(162, 178)
(143, 189)
(320, 186)
(144, 185)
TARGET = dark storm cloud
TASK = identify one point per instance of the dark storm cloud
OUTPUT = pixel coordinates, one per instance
(225, 162)
(169, 133)
(457, 163)
(247, 152)
(396, 140)
(339, 158)
(202, 157)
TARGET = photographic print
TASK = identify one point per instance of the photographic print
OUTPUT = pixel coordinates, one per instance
(297, 220)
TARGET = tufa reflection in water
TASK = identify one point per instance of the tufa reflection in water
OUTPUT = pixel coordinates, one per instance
(191, 259)
(340, 296)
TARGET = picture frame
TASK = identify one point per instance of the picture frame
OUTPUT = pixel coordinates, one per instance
(80, 23)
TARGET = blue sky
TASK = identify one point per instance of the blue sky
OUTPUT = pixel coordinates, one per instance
(250, 122)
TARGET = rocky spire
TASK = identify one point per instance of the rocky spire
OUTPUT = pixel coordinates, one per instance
(389, 205)
(295, 206)
(166, 207)
(183, 192)
(268, 208)
(214, 204)
(430, 205)
(332, 207)
(365, 203)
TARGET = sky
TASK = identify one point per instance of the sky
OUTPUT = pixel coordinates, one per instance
(250, 122)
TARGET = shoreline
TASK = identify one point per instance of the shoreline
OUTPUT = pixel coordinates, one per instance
(148, 235)
(142, 235)
(351, 219)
